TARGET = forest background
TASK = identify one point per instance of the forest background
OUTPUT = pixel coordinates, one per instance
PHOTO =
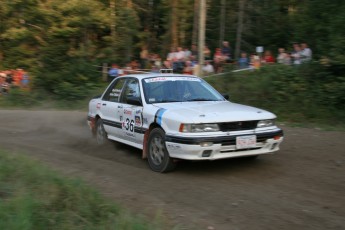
(61, 43)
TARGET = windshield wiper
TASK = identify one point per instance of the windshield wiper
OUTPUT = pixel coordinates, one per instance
(166, 101)
(200, 99)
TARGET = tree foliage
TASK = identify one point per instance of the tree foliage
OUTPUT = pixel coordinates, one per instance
(59, 41)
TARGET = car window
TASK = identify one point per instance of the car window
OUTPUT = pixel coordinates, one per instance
(114, 91)
(131, 91)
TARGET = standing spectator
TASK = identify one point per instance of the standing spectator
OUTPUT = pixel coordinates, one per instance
(268, 57)
(208, 68)
(144, 55)
(218, 60)
(25, 81)
(296, 54)
(243, 61)
(194, 52)
(306, 52)
(188, 69)
(113, 72)
(187, 54)
(226, 51)
(283, 57)
(255, 61)
(178, 63)
(207, 53)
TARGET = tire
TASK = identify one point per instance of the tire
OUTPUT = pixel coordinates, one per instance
(158, 156)
(101, 135)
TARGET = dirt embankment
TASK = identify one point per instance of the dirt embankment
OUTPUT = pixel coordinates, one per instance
(301, 187)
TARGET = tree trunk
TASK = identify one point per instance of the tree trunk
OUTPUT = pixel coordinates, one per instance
(239, 28)
(222, 22)
(174, 23)
(195, 22)
(201, 43)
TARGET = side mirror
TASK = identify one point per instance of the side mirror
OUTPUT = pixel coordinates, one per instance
(134, 101)
(226, 96)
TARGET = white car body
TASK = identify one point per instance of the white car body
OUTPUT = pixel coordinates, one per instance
(131, 123)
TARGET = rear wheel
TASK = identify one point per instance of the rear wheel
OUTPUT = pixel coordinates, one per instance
(158, 156)
(101, 135)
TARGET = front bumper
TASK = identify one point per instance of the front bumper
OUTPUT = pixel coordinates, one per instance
(190, 148)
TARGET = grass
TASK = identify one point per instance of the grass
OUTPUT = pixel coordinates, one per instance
(35, 197)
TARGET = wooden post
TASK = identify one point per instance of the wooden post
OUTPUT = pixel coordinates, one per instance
(105, 72)
(201, 43)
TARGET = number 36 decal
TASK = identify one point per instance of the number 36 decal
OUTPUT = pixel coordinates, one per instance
(129, 125)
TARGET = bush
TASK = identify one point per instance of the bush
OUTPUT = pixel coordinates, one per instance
(309, 92)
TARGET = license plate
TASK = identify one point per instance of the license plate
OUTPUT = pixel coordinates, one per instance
(246, 142)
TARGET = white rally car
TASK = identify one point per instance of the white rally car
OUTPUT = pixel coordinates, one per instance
(173, 117)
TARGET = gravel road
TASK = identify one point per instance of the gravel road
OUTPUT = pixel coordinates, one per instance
(300, 187)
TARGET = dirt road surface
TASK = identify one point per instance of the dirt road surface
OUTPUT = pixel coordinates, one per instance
(300, 187)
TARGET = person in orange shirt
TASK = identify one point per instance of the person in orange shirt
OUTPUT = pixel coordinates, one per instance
(17, 77)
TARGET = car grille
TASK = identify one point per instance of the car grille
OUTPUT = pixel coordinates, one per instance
(237, 126)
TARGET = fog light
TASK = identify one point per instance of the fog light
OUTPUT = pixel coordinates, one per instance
(206, 153)
(273, 146)
(206, 144)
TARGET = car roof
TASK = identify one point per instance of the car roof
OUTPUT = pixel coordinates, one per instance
(149, 75)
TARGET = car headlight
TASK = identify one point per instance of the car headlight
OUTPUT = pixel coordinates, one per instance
(196, 128)
(265, 123)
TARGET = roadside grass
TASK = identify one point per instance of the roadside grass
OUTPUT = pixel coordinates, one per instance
(35, 197)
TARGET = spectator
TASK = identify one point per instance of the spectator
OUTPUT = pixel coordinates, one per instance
(188, 69)
(243, 61)
(113, 72)
(144, 55)
(255, 61)
(178, 63)
(207, 53)
(268, 57)
(187, 54)
(208, 68)
(218, 60)
(17, 77)
(296, 54)
(226, 52)
(25, 81)
(283, 57)
(194, 52)
(306, 53)
(4, 85)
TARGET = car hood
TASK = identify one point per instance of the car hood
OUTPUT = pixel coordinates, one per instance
(213, 111)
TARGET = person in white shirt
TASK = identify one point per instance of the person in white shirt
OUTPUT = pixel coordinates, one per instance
(306, 52)
(208, 68)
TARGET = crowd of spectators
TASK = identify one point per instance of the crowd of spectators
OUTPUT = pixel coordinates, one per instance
(184, 60)
(300, 53)
(11, 79)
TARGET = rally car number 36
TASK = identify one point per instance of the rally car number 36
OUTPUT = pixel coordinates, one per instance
(180, 117)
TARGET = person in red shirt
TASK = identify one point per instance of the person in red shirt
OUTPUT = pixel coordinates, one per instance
(268, 57)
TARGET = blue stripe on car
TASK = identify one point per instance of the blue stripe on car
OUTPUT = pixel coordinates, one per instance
(159, 115)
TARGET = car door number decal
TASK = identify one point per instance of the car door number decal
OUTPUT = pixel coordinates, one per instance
(130, 119)
(129, 125)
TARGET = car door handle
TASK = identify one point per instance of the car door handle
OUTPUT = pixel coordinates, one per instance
(104, 104)
(119, 106)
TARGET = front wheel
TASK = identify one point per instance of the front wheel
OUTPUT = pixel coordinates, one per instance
(101, 135)
(158, 156)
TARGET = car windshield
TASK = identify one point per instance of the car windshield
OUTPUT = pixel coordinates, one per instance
(178, 89)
